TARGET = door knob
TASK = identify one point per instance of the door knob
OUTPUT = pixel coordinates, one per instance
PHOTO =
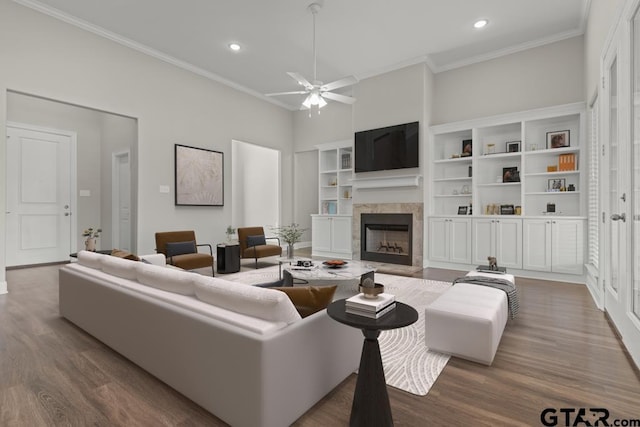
(67, 214)
(616, 217)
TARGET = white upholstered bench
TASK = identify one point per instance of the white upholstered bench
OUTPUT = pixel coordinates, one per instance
(467, 321)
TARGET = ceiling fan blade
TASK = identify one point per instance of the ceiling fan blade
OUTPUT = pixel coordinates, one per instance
(301, 80)
(347, 81)
(297, 92)
(340, 98)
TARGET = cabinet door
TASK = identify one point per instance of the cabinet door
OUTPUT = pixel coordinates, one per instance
(508, 238)
(537, 244)
(321, 234)
(438, 239)
(483, 244)
(341, 235)
(567, 246)
(460, 240)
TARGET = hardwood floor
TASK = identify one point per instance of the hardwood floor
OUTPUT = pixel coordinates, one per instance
(560, 352)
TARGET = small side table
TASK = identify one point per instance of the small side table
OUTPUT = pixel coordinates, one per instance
(370, 399)
(228, 258)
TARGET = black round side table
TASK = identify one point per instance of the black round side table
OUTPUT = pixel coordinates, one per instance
(370, 400)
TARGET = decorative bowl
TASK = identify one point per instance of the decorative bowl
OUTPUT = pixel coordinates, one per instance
(372, 292)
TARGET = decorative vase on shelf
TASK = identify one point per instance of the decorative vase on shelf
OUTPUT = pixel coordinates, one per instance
(90, 244)
(290, 250)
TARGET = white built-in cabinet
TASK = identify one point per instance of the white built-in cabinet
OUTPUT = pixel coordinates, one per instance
(499, 208)
(554, 245)
(331, 236)
(499, 237)
(331, 229)
(450, 239)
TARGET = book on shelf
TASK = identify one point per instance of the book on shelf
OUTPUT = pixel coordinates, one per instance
(567, 162)
(371, 314)
(372, 305)
(346, 161)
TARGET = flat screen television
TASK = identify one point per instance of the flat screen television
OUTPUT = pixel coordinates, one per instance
(392, 147)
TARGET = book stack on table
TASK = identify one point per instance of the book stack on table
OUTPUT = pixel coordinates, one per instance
(373, 308)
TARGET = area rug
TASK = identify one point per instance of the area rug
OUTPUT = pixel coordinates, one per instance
(408, 364)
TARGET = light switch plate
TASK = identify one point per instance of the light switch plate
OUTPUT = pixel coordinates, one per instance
(85, 193)
(164, 188)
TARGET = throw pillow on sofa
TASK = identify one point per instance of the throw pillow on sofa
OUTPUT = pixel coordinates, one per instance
(309, 299)
(119, 267)
(244, 299)
(90, 259)
(119, 253)
(167, 279)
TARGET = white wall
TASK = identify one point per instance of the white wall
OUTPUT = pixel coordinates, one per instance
(45, 57)
(548, 75)
(305, 190)
(389, 99)
(602, 15)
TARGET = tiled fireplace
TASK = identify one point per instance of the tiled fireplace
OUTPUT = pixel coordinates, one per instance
(389, 232)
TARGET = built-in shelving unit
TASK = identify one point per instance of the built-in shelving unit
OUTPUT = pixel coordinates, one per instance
(336, 178)
(512, 180)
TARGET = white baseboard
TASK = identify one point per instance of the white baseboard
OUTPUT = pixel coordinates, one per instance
(3, 288)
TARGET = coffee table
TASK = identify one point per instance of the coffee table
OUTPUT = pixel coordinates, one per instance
(370, 399)
(351, 271)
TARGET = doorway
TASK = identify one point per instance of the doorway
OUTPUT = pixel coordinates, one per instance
(41, 172)
(255, 188)
(121, 200)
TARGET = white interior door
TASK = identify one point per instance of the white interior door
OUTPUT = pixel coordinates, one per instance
(615, 196)
(39, 197)
(121, 201)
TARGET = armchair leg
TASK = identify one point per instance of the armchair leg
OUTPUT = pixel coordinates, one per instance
(256, 263)
(213, 272)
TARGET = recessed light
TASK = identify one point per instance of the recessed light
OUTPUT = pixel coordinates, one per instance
(234, 47)
(480, 23)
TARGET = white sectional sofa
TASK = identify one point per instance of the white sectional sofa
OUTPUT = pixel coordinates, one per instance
(241, 352)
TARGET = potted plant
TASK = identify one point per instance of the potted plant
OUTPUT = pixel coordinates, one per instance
(230, 232)
(91, 234)
(290, 234)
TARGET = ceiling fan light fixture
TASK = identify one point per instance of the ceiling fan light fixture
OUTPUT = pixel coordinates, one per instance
(481, 23)
(307, 102)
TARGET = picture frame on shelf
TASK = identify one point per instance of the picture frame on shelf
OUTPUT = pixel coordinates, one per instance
(462, 210)
(513, 147)
(558, 139)
(507, 210)
(556, 184)
(467, 148)
(510, 174)
(489, 148)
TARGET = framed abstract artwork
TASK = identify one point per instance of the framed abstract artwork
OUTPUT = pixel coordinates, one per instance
(199, 175)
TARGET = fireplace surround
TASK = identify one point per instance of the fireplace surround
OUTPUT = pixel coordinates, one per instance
(414, 208)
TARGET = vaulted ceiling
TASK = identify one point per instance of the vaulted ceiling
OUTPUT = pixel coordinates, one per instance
(354, 37)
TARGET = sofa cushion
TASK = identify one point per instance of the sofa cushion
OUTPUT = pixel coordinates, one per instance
(309, 299)
(245, 299)
(256, 240)
(119, 253)
(119, 267)
(167, 279)
(180, 248)
(90, 259)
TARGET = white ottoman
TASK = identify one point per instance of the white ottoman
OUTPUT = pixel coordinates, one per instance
(467, 321)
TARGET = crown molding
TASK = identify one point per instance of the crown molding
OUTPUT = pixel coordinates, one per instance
(55, 13)
(510, 50)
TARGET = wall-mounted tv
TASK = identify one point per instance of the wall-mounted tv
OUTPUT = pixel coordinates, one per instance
(392, 147)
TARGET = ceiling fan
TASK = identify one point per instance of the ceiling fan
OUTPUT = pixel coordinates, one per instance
(317, 91)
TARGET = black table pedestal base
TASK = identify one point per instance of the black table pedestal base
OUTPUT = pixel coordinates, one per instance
(370, 401)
